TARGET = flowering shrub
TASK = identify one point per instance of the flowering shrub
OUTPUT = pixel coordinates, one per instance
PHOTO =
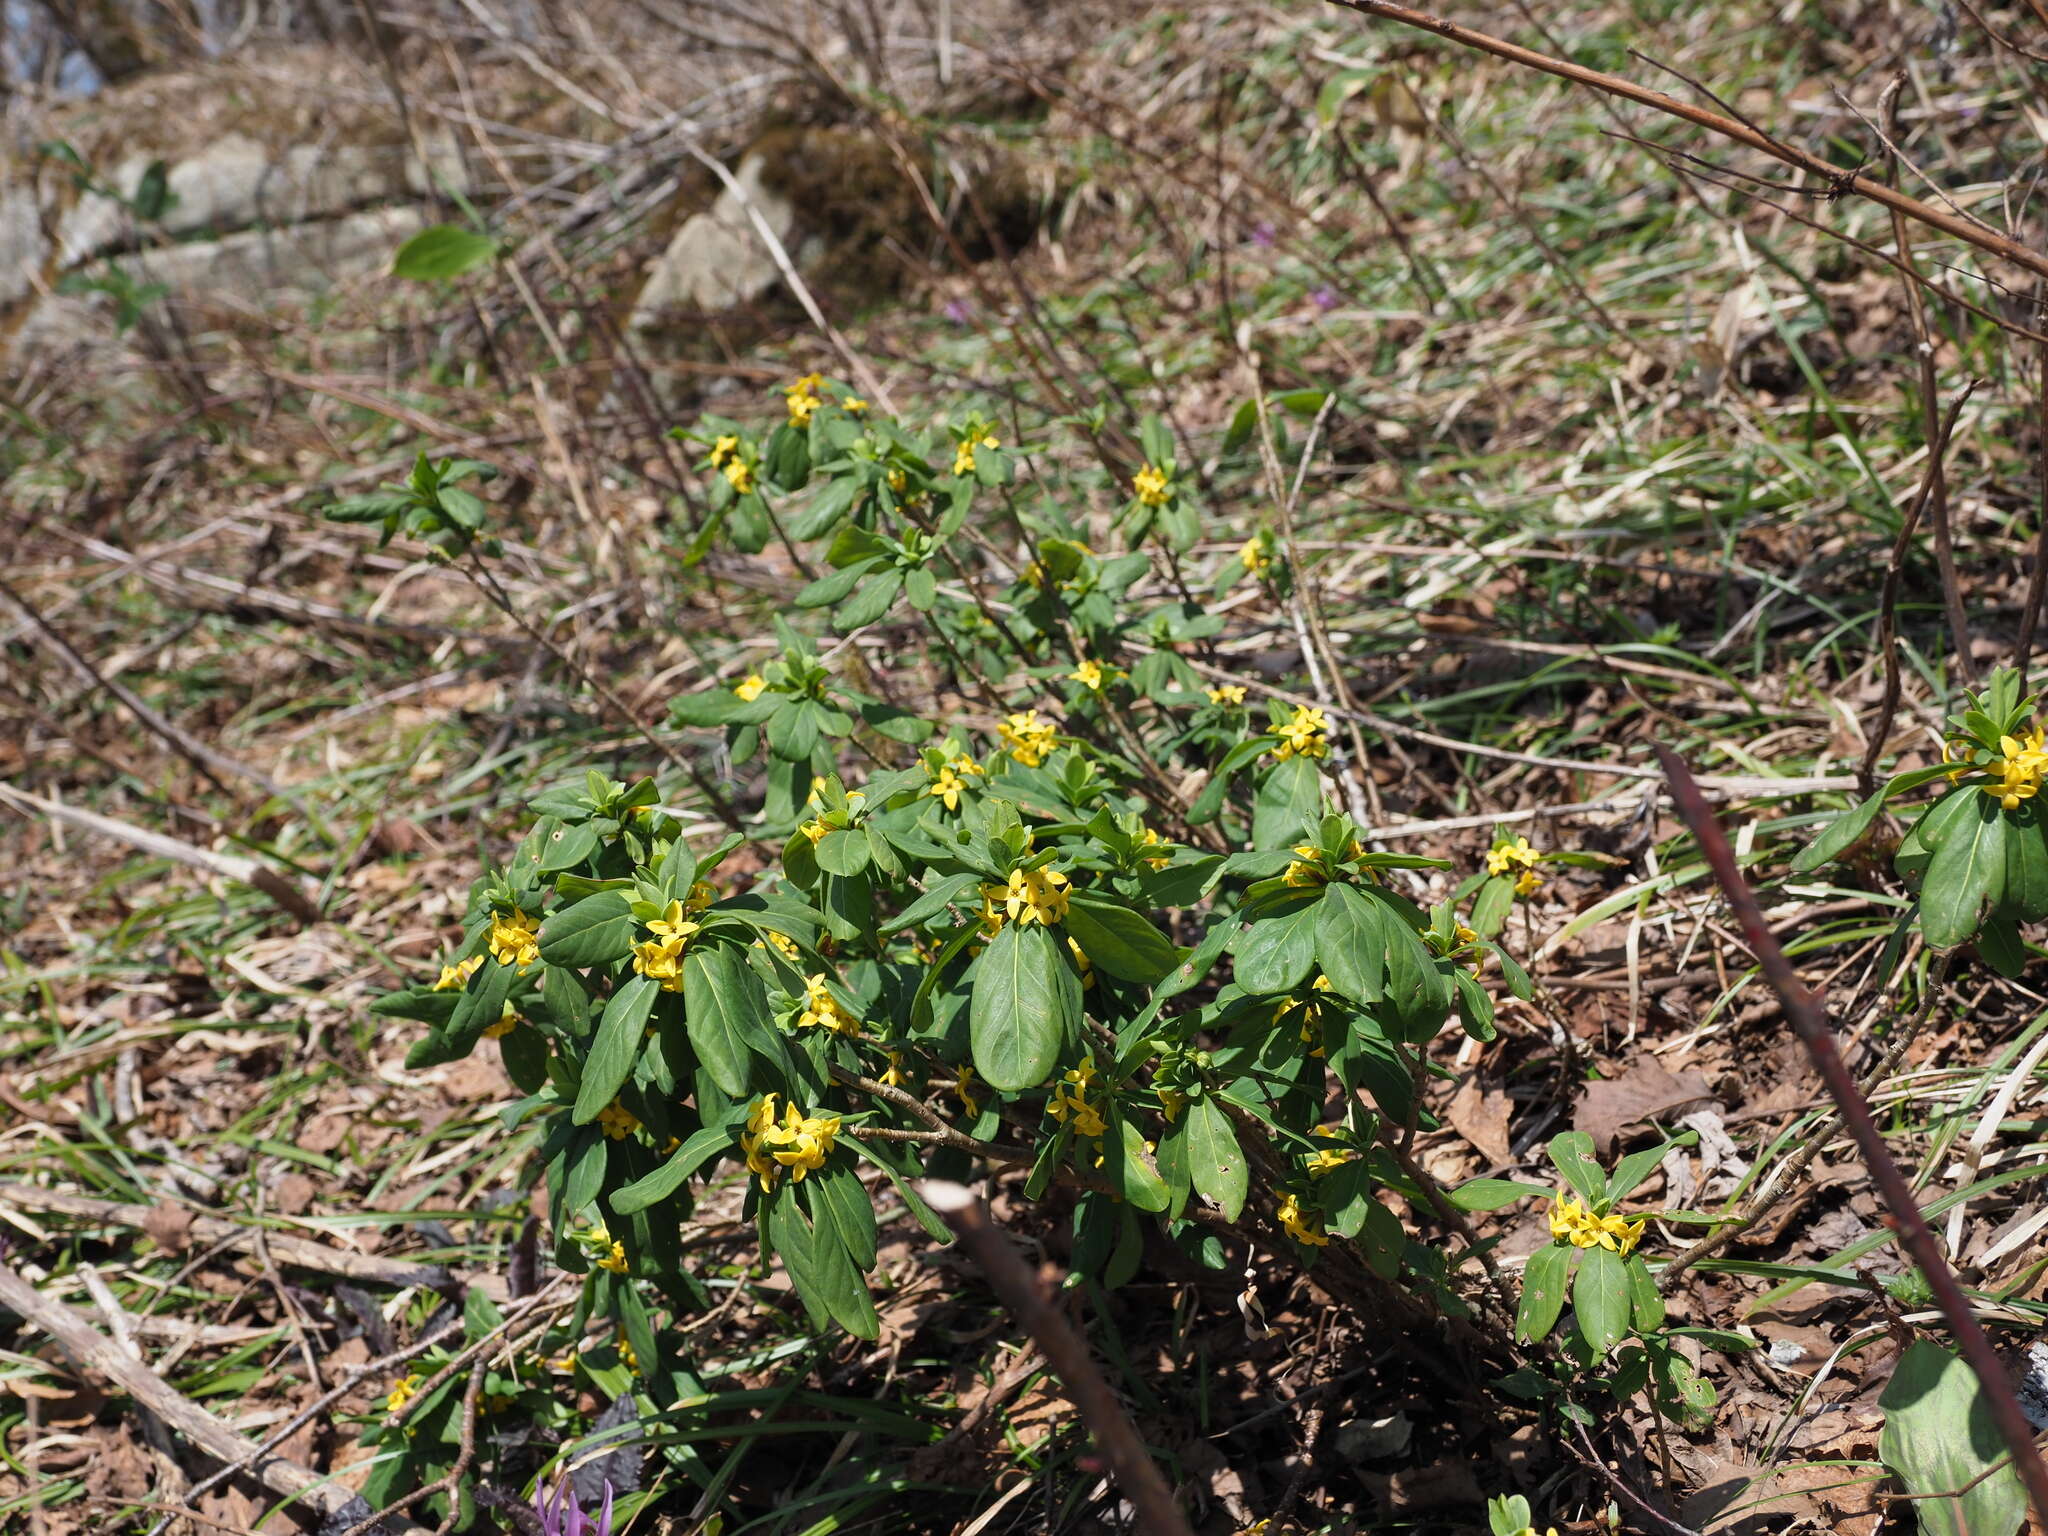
(1978, 856)
(1108, 925)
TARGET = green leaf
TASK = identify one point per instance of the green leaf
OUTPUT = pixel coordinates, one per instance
(565, 847)
(1939, 1437)
(1277, 950)
(832, 588)
(653, 1188)
(722, 1007)
(1350, 947)
(1215, 1161)
(616, 1047)
(793, 731)
(1289, 803)
(1543, 1287)
(843, 852)
(1839, 835)
(938, 896)
(1966, 878)
(870, 602)
(2026, 863)
(1492, 1194)
(1491, 906)
(588, 1155)
(443, 251)
(1645, 1305)
(838, 1192)
(1024, 1001)
(594, 931)
(1600, 1298)
(1129, 1169)
(1117, 940)
(1572, 1152)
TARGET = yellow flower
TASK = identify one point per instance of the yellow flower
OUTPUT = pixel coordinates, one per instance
(1300, 1228)
(853, 405)
(723, 451)
(515, 939)
(739, 475)
(672, 924)
(1306, 868)
(963, 459)
(1081, 959)
(1322, 1162)
(616, 1121)
(1027, 738)
(402, 1392)
(1506, 855)
(1036, 896)
(802, 399)
(2019, 768)
(1151, 486)
(1571, 1222)
(1254, 556)
(505, 1025)
(751, 687)
(1303, 736)
(661, 959)
(1171, 1102)
(1226, 693)
(627, 1358)
(1466, 935)
(800, 1142)
(1088, 1119)
(784, 944)
(1528, 883)
(614, 1258)
(702, 894)
(895, 1076)
(963, 1089)
(1090, 675)
(814, 829)
(455, 977)
(946, 787)
(823, 1011)
(1147, 838)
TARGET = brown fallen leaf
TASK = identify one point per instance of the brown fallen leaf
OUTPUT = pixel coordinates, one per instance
(1481, 1117)
(1643, 1091)
(169, 1226)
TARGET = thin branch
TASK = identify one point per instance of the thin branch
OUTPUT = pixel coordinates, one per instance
(1809, 1022)
(1840, 181)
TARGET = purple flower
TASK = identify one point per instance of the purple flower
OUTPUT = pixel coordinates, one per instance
(1263, 235)
(957, 311)
(563, 1517)
(1324, 298)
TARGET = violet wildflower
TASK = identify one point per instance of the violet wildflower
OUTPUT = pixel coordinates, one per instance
(564, 1517)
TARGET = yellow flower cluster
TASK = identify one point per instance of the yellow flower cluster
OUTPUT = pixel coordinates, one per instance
(402, 1392)
(895, 1077)
(963, 1089)
(614, 1258)
(617, 1121)
(1255, 556)
(1505, 857)
(824, 1011)
(508, 1020)
(1329, 1158)
(1306, 868)
(1571, 1222)
(963, 456)
(1151, 486)
(739, 474)
(949, 780)
(784, 944)
(515, 940)
(662, 956)
(1027, 738)
(1301, 1228)
(1303, 736)
(1032, 896)
(724, 451)
(751, 687)
(1070, 1097)
(1226, 693)
(799, 1141)
(2020, 768)
(1081, 959)
(802, 399)
(455, 977)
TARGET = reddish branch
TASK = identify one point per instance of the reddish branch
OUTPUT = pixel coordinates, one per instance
(1839, 180)
(1809, 1022)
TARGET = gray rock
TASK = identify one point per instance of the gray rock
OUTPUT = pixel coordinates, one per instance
(717, 260)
